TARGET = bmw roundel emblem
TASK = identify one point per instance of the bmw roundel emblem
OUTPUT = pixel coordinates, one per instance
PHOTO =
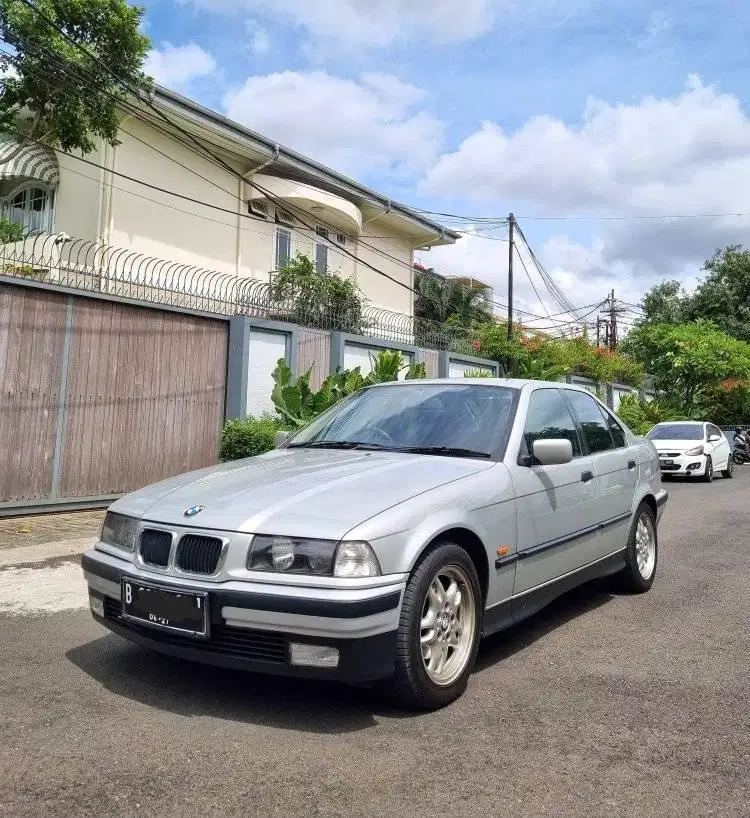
(193, 510)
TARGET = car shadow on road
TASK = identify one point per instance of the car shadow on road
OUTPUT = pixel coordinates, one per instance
(327, 708)
(574, 604)
(192, 689)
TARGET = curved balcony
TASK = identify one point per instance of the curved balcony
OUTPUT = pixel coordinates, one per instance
(323, 207)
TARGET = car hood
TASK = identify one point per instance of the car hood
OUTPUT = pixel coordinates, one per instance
(311, 493)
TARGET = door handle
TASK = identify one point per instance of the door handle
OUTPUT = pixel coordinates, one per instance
(587, 477)
(631, 464)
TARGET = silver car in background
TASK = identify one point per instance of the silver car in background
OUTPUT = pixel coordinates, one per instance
(382, 541)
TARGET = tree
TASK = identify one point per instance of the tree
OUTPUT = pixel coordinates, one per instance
(688, 361)
(61, 94)
(665, 304)
(724, 295)
(463, 302)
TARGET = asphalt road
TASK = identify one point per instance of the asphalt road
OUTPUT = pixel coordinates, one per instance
(603, 705)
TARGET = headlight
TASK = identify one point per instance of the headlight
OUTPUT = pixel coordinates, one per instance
(119, 531)
(694, 452)
(296, 555)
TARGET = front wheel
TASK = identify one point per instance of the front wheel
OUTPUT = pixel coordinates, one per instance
(641, 554)
(708, 475)
(438, 635)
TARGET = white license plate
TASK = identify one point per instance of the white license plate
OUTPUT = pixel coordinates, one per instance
(667, 462)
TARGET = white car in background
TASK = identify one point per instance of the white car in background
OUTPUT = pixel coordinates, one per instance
(691, 448)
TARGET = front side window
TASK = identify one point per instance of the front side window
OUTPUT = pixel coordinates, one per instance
(593, 423)
(31, 208)
(549, 418)
(412, 417)
(283, 248)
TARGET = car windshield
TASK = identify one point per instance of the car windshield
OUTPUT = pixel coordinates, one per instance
(458, 419)
(677, 431)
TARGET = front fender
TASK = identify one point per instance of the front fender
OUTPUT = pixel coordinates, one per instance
(482, 504)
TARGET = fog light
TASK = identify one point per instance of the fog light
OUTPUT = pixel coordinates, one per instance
(694, 466)
(96, 604)
(313, 655)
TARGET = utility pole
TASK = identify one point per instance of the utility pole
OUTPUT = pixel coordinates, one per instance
(612, 321)
(511, 248)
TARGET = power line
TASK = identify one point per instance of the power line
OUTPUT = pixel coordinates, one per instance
(204, 151)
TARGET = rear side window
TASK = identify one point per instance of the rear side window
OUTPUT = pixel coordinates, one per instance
(593, 422)
(549, 418)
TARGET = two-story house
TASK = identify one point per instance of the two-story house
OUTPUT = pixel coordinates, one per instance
(244, 206)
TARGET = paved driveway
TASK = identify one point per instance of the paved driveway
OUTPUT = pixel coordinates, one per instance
(603, 705)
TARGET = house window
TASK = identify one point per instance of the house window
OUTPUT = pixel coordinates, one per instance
(321, 251)
(31, 207)
(283, 248)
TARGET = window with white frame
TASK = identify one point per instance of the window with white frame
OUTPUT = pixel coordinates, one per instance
(31, 206)
(283, 254)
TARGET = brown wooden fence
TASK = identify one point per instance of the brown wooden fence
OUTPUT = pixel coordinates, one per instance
(98, 398)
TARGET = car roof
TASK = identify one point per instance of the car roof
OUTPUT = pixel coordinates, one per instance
(680, 422)
(509, 383)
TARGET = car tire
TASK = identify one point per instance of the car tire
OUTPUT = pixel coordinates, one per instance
(641, 556)
(728, 473)
(419, 681)
(708, 477)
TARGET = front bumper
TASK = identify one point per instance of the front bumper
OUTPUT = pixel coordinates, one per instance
(253, 630)
(684, 466)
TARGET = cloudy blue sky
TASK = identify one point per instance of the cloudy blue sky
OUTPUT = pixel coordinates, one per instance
(606, 116)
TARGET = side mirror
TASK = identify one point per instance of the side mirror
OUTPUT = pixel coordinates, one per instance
(280, 439)
(553, 452)
(713, 438)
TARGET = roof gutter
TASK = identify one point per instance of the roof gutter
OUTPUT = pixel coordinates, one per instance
(164, 95)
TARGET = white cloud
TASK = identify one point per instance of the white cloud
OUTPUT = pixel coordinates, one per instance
(689, 154)
(369, 123)
(177, 66)
(260, 42)
(376, 22)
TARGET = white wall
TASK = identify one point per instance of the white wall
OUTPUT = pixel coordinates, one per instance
(265, 350)
(77, 197)
(390, 255)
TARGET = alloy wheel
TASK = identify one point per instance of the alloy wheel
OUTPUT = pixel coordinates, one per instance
(447, 625)
(645, 545)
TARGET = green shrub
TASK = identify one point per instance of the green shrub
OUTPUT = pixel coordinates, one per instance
(248, 437)
(478, 373)
(10, 232)
(297, 404)
(640, 416)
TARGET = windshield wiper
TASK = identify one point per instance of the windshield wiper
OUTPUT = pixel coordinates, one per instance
(338, 444)
(447, 451)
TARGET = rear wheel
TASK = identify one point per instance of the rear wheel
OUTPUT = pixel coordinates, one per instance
(438, 633)
(728, 473)
(708, 476)
(641, 554)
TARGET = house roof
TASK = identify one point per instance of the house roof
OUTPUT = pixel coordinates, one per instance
(292, 165)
